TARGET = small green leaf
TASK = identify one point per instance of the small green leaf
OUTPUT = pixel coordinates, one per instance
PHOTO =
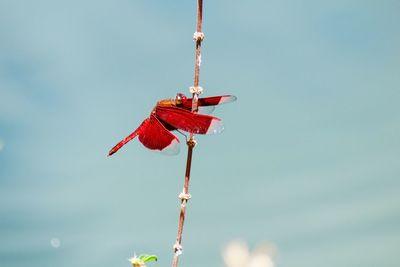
(146, 258)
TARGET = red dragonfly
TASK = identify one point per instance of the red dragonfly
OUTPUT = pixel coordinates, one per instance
(175, 114)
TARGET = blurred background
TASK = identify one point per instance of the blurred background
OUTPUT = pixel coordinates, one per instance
(308, 162)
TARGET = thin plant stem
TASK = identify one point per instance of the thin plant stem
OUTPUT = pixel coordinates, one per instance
(191, 142)
(198, 43)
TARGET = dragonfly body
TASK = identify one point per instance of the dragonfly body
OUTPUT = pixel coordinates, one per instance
(175, 114)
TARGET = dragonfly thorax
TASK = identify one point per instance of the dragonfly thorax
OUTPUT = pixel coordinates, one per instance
(178, 101)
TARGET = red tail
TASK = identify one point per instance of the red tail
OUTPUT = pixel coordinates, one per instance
(126, 140)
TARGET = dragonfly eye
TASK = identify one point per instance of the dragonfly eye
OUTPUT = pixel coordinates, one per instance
(179, 99)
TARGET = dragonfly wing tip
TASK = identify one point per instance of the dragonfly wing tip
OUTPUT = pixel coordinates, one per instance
(216, 126)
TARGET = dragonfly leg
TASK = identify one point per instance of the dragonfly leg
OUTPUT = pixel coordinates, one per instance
(182, 133)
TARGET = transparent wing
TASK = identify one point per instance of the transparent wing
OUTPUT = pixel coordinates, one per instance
(209, 101)
(206, 109)
(216, 100)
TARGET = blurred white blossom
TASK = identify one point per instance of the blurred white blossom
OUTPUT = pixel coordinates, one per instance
(55, 242)
(237, 254)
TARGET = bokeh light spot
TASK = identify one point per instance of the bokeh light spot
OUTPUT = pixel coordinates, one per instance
(55, 242)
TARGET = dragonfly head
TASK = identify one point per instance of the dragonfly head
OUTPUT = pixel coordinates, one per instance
(179, 99)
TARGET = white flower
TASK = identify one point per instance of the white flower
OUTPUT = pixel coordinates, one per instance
(136, 262)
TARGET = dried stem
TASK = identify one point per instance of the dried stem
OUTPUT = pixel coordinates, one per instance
(191, 142)
(198, 43)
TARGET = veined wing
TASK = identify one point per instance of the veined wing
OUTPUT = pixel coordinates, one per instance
(205, 109)
(188, 121)
(155, 136)
(209, 101)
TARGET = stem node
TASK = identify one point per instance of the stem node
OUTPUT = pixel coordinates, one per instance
(191, 143)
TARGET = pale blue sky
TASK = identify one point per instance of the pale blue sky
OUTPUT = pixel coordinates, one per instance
(309, 159)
